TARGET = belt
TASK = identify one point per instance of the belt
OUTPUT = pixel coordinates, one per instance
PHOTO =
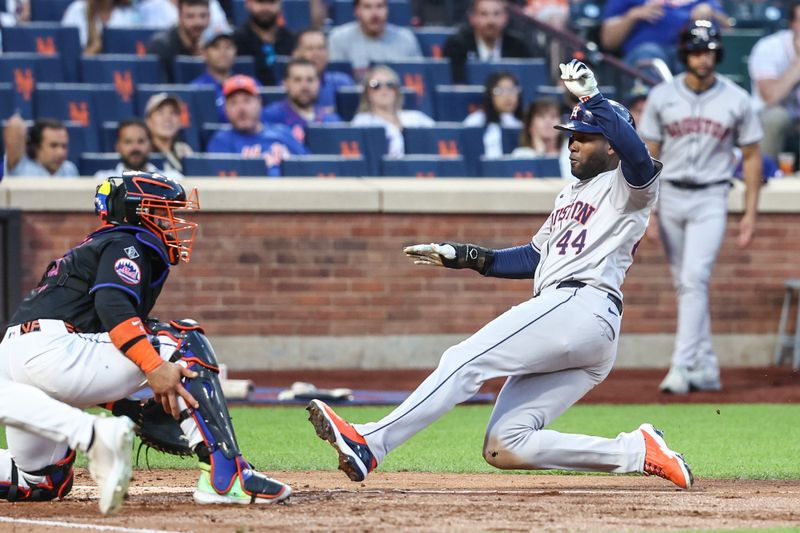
(578, 284)
(692, 186)
(35, 325)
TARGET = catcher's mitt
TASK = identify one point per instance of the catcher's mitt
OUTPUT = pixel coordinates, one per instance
(155, 428)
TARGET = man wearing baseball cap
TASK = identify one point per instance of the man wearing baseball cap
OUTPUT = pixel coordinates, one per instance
(248, 135)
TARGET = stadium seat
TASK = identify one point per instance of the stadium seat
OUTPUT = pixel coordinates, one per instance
(127, 40)
(208, 129)
(447, 140)
(348, 98)
(81, 140)
(7, 100)
(296, 14)
(425, 166)
(510, 139)
(454, 102)
(47, 39)
(529, 72)
(341, 12)
(432, 38)
(225, 165)
(271, 94)
(187, 68)
(738, 44)
(421, 76)
(124, 71)
(24, 70)
(48, 10)
(201, 107)
(92, 162)
(512, 167)
(348, 141)
(341, 66)
(82, 103)
(324, 166)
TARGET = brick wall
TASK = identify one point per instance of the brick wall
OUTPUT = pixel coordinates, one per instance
(345, 274)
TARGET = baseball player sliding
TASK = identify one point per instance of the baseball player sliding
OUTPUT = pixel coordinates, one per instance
(692, 123)
(556, 346)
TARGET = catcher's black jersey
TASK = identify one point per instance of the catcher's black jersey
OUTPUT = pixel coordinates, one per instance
(127, 258)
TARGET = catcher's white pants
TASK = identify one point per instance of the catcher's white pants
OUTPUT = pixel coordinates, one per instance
(555, 347)
(46, 378)
(692, 226)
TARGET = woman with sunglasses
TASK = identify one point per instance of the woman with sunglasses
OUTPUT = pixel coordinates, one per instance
(382, 105)
(501, 108)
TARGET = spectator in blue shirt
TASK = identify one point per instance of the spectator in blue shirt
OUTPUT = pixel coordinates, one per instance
(219, 54)
(312, 45)
(299, 108)
(248, 135)
(647, 29)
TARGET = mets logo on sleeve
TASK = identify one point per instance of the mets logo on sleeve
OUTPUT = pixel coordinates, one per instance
(128, 271)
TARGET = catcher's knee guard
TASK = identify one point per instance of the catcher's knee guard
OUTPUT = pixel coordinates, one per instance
(56, 482)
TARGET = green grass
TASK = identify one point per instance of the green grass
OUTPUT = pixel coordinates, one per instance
(759, 441)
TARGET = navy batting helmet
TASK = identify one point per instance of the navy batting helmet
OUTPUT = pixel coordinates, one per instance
(582, 120)
(700, 35)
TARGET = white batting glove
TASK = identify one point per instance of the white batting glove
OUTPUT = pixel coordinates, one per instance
(579, 79)
(430, 254)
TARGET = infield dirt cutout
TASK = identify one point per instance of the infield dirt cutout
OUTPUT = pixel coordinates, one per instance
(405, 501)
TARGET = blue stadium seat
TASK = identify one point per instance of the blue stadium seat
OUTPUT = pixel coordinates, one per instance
(7, 100)
(208, 129)
(510, 139)
(296, 14)
(87, 104)
(92, 162)
(324, 166)
(271, 94)
(124, 71)
(224, 165)
(341, 66)
(432, 38)
(421, 76)
(187, 68)
(48, 10)
(454, 102)
(201, 107)
(341, 12)
(348, 98)
(512, 167)
(127, 40)
(47, 39)
(447, 140)
(24, 70)
(529, 72)
(425, 166)
(81, 139)
(348, 141)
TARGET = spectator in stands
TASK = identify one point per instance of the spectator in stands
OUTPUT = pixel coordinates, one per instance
(382, 105)
(312, 45)
(133, 146)
(370, 39)
(248, 135)
(485, 38)
(647, 29)
(774, 66)
(163, 118)
(164, 14)
(539, 138)
(40, 151)
(501, 108)
(263, 37)
(91, 16)
(219, 53)
(300, 107)
(183, 39)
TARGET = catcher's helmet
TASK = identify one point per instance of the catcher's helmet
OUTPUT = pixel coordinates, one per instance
(700, 35)
(582, 120)
(151, 201)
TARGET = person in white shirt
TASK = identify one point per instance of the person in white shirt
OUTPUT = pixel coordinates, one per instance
(103, 14)
(774, 66)
(382, 105)
(40, 151)
(134, 147)
(540, 138)
(502, 108)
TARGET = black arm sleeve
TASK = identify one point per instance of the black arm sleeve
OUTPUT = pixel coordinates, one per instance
(113, 307)
(514, 263)
(637, 166)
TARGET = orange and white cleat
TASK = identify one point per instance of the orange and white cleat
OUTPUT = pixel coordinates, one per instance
(660, 461)
(355, 458)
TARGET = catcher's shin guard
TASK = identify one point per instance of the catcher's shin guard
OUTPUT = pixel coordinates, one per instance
(54, 481)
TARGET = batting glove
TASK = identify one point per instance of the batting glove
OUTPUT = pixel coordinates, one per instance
(451, 255)
(579, 79)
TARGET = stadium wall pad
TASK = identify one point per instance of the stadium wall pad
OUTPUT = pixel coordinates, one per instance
(309, 273)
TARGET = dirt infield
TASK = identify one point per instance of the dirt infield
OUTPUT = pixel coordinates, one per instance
(740, 385)
(327, 501)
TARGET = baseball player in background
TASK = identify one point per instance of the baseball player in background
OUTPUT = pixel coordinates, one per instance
(560, 343)
(692, 123)
(79, 340)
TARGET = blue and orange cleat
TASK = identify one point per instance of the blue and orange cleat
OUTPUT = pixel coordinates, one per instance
(355, 458)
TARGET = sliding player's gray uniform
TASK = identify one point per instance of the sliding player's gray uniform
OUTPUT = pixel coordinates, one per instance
(697, 133)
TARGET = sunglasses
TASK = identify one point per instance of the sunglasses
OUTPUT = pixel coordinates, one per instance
(505, 91)
(377, 84)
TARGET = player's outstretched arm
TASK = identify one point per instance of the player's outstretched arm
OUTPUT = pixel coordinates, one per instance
(518, 262)
(637, 166)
